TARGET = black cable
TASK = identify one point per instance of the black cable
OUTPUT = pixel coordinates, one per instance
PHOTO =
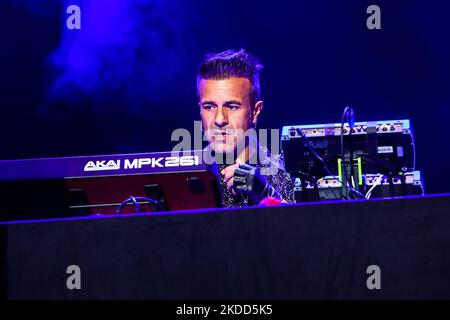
(347, 116)
(413, 143)
(306, 143)
(135, 200)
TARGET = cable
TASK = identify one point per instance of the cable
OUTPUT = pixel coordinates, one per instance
(378, 181)
(135, 200)
(347, 116)
(413, 143)
(306, 143)
(353, 182)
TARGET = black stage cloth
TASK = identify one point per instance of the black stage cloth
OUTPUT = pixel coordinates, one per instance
(303, 251)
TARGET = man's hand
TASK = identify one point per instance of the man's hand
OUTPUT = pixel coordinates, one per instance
(250, 181)
(228, 174)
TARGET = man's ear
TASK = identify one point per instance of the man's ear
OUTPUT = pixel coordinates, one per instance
(256, 111)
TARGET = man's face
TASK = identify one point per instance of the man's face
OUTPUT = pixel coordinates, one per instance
(224, 108)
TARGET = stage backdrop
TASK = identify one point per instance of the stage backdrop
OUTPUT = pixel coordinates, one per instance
(126, 79)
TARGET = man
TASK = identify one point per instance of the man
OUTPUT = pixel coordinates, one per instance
(230, 102)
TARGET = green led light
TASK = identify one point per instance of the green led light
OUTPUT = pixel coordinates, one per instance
(360, 180)
(340, 169)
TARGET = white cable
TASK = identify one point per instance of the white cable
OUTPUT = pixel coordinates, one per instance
(353, 182)
(378, 181)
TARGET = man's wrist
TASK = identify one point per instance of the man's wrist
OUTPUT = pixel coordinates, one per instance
(273, 193)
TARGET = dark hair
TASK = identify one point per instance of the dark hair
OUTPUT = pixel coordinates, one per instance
(232, 64)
